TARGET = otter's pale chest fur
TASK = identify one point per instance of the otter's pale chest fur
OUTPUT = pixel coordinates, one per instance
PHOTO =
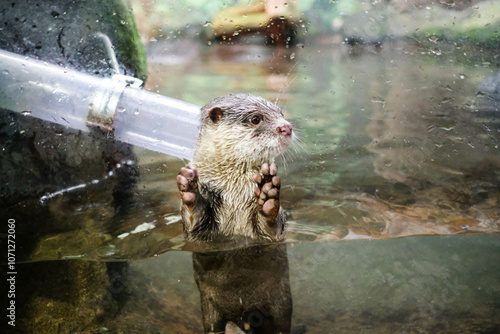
(237, 212)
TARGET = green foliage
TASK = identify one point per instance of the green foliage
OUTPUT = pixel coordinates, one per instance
(481, 28)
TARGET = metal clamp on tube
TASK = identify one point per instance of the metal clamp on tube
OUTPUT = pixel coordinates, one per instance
(102, 108)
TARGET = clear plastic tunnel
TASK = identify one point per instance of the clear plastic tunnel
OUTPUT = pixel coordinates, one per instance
(77, 100)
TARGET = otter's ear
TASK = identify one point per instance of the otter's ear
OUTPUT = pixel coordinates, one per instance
(215, 114)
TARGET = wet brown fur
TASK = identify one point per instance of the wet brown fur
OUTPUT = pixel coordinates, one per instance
(229, 150)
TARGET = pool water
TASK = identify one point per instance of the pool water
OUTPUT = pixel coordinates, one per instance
(396, 141)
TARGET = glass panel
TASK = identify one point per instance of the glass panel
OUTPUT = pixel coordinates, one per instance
(391, 192)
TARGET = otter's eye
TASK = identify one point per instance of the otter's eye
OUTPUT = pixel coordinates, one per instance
(256, 119)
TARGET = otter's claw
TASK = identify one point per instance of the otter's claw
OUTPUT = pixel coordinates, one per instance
(187, 182)
(267, 191)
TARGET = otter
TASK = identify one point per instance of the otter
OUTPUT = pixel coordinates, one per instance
(231, 186)
(248, 286)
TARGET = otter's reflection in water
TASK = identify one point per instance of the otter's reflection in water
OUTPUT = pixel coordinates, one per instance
(249, 287)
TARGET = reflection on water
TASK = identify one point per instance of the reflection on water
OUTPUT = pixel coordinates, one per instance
(401, 145)
(396, 141)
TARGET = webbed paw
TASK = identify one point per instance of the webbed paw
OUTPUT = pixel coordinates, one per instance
(267, 191)
(187, 182)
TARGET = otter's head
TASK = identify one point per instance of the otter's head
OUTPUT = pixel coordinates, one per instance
(241, 127)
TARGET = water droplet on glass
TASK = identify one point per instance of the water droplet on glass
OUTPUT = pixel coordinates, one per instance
(437, 52)
(433, 38)
(26, 112)
(207, 23)
(120, 109)
(461, 76)
(449, 3)
(292, 55)
(377, 99)
(136, 112)
(209, 42)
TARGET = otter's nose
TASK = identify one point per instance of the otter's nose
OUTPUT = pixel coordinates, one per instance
(285, 130)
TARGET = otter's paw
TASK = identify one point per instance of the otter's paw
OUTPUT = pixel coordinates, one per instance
(187, 182)
(267, 191)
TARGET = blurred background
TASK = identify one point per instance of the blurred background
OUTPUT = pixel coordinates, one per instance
(392, 193)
